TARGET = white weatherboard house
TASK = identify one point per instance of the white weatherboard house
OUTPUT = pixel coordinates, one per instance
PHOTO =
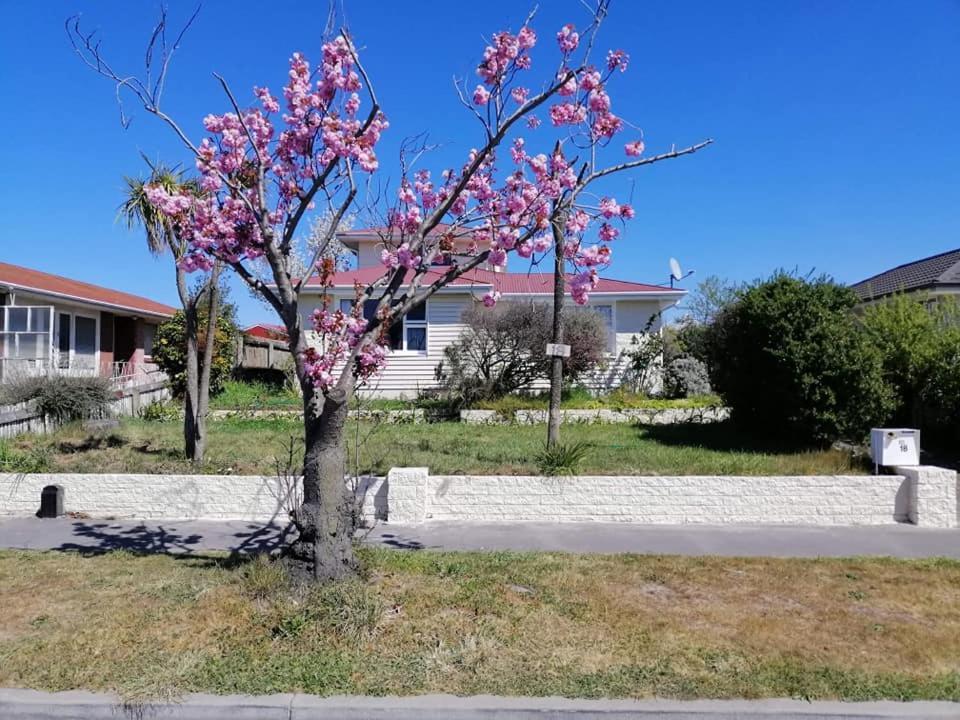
(418, 342)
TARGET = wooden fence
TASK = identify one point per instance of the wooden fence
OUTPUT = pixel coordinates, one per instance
(130, 397)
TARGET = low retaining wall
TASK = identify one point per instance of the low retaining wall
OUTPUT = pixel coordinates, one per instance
(643, 416)
(398, 417)
(923, 495)
(174, 497)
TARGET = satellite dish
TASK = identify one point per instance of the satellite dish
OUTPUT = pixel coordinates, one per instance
(675, 272)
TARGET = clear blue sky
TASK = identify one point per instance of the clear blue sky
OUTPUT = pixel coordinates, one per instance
(836, 123)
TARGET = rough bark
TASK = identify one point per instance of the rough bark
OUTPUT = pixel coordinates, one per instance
(323, 550)
(203, 384)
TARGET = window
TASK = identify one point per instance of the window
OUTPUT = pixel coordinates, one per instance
(84, 341)
(25, 333)
(63, 339)
(409, 334)
(148, 335)
(606, 312)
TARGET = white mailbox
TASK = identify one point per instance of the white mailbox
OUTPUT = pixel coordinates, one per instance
(895, 446)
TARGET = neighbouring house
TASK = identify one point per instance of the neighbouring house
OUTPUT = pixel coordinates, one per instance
(419, 340)
(50, 323)
(933, 276)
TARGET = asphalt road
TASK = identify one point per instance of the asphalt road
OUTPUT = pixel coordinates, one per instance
(188, 536)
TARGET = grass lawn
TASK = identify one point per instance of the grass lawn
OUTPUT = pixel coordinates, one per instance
(251, 446)
(468, 623)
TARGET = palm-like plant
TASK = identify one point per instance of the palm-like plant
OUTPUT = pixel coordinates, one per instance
(137, 211)
(162, 236)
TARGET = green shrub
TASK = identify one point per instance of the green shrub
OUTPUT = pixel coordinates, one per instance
(502, 350)
(170, 350)
(790, 360)
(919, 342)
(685, 377)
(161, 411)
(61, 398)
(562, 459)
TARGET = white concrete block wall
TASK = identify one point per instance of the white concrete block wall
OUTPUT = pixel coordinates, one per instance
(171, 497)
(805, 500)
(934, 495)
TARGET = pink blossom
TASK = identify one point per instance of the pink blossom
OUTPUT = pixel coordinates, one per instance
(490, 298)
(481, 95)
(590, 80)
(598, 100)
(542, 243)
(526, 38)
(581, 285)
(627, 212)
(609, 208)
(608, 232)
(568, 38)
(567, 114)
(497, 257)
(634, 149)
(617, 59)
(533, 122)
(389, 259)
(406, 258)
(524, 250)
(519, 95)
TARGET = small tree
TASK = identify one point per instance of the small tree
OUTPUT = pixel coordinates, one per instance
(918, 338)
(790, 361)
(502, 350)
(265, 172)
(645, 357)
(167, 234)
(170, 349)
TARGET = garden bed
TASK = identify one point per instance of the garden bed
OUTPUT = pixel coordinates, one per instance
(472, 623)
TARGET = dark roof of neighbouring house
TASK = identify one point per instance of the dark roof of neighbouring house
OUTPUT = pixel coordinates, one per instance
(506, 282)
(35, 281)
(926, 274)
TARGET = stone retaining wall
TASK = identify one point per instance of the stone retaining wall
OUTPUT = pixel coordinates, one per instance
(923, 495)
(174, 497)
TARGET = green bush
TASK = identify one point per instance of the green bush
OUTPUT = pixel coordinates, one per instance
(61, 398)
(170, 351)
(919, 341)
(35, 460)
(789, 359)
(159, 411)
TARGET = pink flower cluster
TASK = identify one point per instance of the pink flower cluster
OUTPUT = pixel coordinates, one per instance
(341, 333)
(505, 53)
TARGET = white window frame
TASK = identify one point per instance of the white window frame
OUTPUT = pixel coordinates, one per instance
(346, 304)
(612, 340)
(14, 336)
(71, 357)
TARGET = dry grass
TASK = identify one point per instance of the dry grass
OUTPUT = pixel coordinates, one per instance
(241, 446)
(527, 624)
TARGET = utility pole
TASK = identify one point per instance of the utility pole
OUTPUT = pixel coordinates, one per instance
(557, 349)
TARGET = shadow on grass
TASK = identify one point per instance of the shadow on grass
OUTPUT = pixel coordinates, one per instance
(93, 442)
(721, 436)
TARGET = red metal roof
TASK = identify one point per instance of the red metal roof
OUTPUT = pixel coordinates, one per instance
(21, 278)
(506, 282)
(267, 331)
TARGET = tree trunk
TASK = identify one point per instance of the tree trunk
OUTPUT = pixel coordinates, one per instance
(324, 549)
(203, 383)
(556, 362)
(191, 398)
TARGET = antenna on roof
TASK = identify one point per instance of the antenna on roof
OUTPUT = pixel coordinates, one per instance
(676, 274)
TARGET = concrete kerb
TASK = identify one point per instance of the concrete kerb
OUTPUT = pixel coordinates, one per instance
(33, 705)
